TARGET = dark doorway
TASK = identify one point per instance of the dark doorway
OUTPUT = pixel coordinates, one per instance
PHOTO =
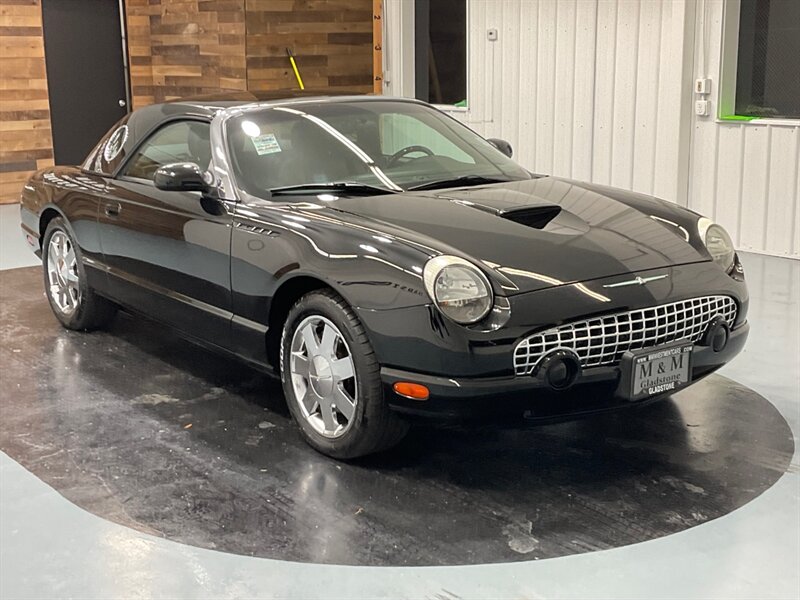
(440, 51)
(85, 73)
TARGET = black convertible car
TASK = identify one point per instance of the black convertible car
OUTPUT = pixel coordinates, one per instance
(386, 261)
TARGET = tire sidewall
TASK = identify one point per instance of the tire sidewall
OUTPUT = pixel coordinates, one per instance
(367, 381)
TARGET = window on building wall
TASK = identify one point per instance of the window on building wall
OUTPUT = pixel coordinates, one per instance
(768, 65)
(440, 51)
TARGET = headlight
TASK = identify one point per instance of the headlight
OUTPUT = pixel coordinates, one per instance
(458, 288)
(717, 241)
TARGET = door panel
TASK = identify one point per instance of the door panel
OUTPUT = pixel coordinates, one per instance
(85, 73)
(168, 254)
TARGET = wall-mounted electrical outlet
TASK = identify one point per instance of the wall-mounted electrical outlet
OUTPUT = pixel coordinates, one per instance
(702, 86)
(491, 35)
(701, 108)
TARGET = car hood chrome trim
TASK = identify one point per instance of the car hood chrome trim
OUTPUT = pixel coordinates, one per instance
(637, 281)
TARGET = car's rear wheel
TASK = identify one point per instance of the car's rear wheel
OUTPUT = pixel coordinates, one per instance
(332, 382)
(73, 302)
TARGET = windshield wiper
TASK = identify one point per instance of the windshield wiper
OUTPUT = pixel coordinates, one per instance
(343, 187)
(459, 181)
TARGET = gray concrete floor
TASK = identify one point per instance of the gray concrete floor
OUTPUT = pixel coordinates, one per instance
(14, 252)
(51, 548)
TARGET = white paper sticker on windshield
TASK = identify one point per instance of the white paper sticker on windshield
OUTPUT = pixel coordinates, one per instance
(266, 144)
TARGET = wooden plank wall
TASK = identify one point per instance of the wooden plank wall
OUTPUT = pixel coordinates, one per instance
(25, 139)
(331, 40)
(182, 48)
(188, 47)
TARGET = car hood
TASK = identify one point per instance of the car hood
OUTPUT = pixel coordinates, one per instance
(538, 233)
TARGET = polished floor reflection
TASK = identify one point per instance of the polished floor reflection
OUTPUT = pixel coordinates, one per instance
(143, 428)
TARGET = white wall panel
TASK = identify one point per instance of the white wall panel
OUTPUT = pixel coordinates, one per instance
(584, 83)
(752, 209)
(603, 113)
(728, 177)
(795, 244)
(782, 174)
(510, 97)
(581, 88)
(526, 59)
(646, 110)
(545, 88)
(564, 86)
(671, 158)
(625, 92)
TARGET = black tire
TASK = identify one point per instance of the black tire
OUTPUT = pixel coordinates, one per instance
(93, 311)
(374, 426)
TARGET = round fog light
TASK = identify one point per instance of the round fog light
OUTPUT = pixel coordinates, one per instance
(559, 370)
(716, 335)
(719, 339)
(558, 375)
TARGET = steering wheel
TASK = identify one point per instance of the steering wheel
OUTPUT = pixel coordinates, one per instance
(408, 150)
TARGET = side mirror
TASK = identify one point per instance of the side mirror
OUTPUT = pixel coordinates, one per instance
(182, 177)
(502, 145)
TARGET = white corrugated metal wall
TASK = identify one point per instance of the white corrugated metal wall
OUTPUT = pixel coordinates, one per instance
(601, 90)
(581, 87)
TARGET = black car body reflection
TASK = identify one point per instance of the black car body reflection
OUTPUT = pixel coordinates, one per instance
(598, 274)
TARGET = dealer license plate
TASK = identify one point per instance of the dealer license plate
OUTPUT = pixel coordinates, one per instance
(655, 371)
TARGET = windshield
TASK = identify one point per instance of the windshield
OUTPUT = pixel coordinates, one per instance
(389, 144)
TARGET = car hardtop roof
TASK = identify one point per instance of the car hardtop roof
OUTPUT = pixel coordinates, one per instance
(212, 103)
(143, 121)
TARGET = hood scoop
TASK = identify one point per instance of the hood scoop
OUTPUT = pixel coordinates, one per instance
(537, 217)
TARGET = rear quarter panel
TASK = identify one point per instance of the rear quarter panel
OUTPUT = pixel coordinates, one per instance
(72, 195)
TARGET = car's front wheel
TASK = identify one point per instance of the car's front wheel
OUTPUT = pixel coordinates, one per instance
(73, 301)
(332, 382)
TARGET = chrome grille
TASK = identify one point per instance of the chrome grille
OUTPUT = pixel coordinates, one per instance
(603, 340)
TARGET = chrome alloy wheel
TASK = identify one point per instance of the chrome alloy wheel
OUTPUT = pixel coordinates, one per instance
(62, 274)
(323, 376)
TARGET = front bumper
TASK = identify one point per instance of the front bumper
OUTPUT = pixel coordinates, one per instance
(420, 340)
(515, 398)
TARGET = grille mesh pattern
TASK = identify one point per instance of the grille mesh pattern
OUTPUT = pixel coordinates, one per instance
(603, 340)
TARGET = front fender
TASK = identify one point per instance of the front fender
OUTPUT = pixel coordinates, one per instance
(367, 267)
(280, 252)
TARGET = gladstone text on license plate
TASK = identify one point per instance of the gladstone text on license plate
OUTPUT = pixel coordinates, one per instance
(660, 370)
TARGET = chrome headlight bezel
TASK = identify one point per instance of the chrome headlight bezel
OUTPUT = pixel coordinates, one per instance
(718, 242)
(431, 276)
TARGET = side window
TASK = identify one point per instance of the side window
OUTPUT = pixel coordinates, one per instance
(399, 131)
(182, 141)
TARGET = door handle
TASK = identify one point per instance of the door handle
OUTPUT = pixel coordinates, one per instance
(112, 209)
(122, 103)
